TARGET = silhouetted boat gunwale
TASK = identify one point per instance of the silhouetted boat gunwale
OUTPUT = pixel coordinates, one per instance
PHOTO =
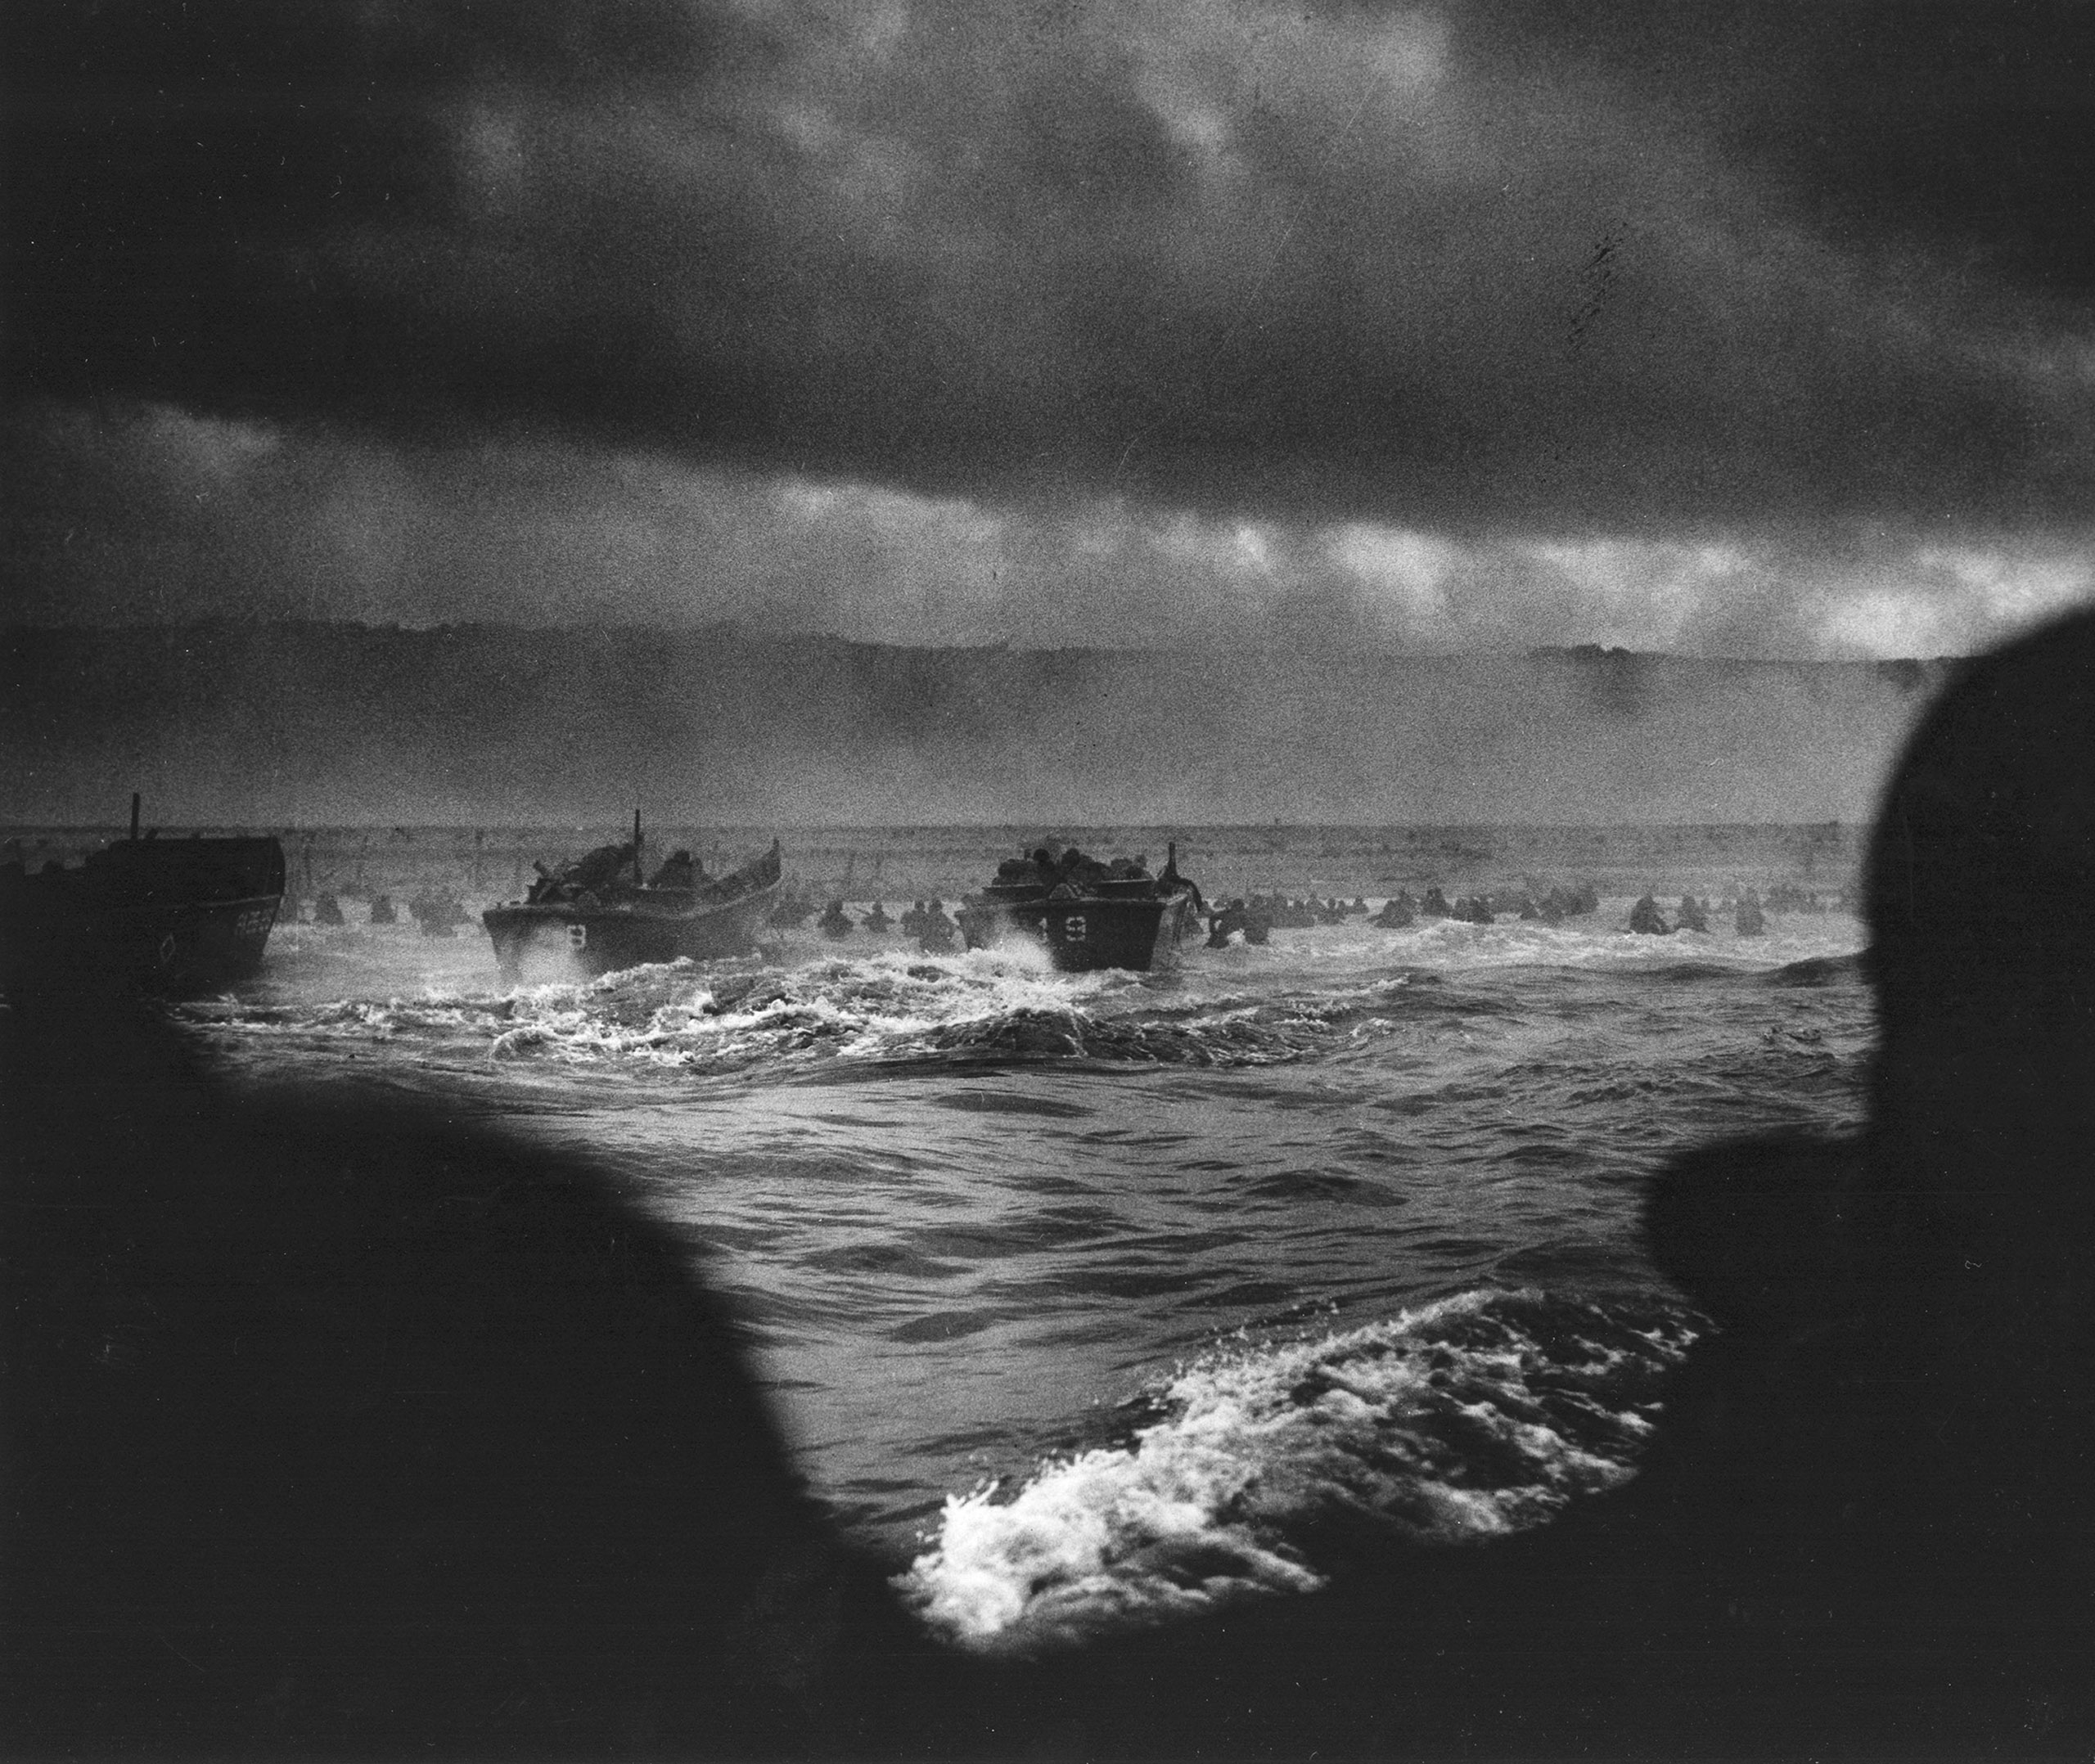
(181, 914)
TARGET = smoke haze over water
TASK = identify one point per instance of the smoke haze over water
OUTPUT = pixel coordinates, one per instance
(335, 723)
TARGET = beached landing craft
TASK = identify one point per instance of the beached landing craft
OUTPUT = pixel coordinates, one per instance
(603, 913)
(1089, 915)
(177, 915)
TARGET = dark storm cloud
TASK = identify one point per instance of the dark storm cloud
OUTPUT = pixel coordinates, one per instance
(1474, 268)
(160, 515)
(1966, 131)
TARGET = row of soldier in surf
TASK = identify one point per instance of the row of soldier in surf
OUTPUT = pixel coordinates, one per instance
(926, 921)
(435, 913)
(1252, 921)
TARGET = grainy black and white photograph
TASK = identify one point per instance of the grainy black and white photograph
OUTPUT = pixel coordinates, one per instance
(1047, 880)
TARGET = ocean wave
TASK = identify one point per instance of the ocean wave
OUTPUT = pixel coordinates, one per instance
(1305, 993)
(983, 1007)
(1601, 940)
(1476, 1416)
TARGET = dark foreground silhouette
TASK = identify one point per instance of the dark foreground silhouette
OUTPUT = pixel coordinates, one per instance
(329, 1433)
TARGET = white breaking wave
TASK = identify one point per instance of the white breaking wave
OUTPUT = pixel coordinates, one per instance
(1480, 1414)
(1233, 1006)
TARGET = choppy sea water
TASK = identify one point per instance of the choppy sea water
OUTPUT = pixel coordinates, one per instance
(1081, 1298)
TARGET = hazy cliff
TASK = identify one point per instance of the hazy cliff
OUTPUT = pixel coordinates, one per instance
(290, 722)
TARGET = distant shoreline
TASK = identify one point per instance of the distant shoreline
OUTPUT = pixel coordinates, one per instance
(346, 725)
(906, 862)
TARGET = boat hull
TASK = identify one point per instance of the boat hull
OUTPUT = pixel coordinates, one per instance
(1087, 933)
(175, 916)
(602, 939)
(199, 944)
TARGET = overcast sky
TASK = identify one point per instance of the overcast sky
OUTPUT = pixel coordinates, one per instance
(1748, 330)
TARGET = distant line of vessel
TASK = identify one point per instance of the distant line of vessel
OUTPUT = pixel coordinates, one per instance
(190, 914)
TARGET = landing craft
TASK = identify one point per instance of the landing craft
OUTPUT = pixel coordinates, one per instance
(1088, 915)
(177, 915)
(602, 912)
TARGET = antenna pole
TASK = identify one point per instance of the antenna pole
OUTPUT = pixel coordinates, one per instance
(636, 877)
(135, 817)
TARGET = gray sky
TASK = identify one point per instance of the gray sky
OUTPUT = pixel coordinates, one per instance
(1749, 330)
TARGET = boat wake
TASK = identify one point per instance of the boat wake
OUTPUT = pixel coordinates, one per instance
(984, 1008)
(1476, 1416)
(893, 1007)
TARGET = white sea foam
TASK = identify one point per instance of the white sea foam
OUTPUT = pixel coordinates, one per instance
(1477, 1415)
(1596, 940)
(1236, 1006)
